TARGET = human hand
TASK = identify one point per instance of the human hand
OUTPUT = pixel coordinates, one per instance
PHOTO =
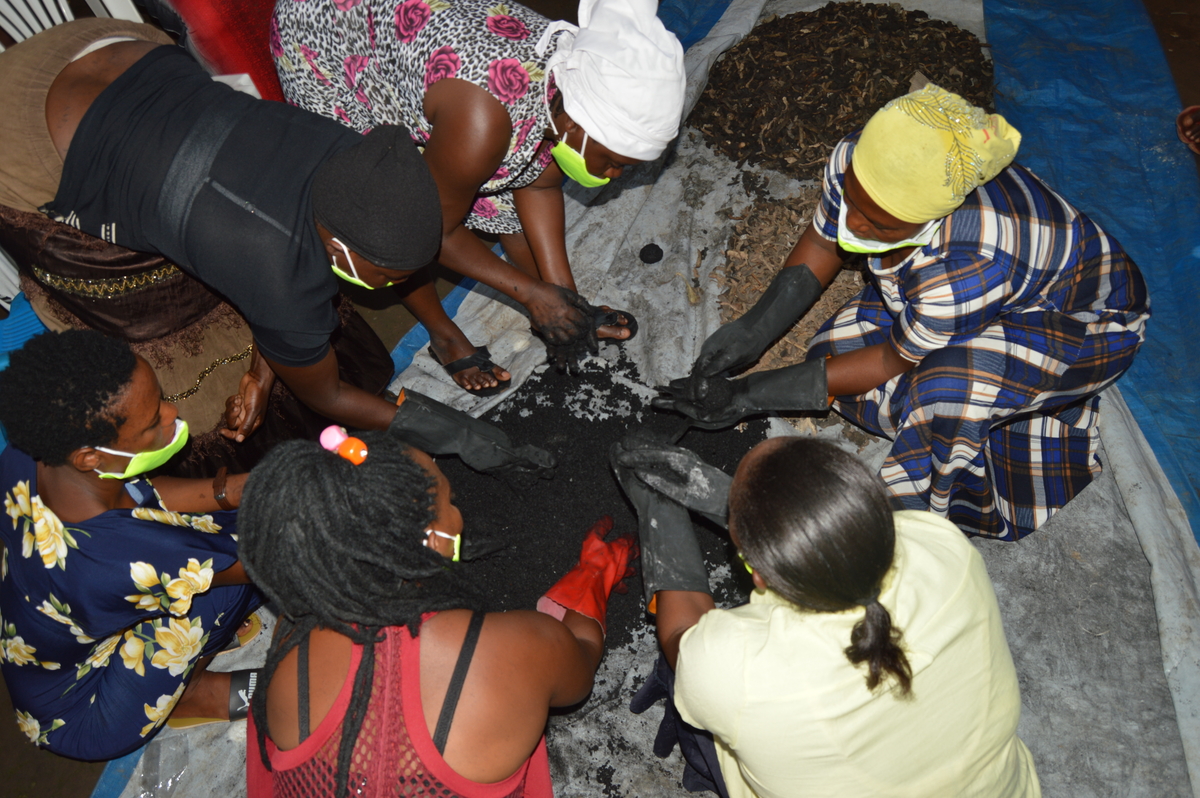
(733, 345)
(601, 568)
(564, 320)
(244, 410)
(679, 474)
(1187, 126)
(743, 340)
(671, 556)
(716, 402)
(711, 402)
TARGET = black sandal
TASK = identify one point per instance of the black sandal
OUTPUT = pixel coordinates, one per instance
(480, 359)
(605, 318)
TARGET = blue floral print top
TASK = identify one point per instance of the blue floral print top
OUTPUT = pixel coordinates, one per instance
(102, 621)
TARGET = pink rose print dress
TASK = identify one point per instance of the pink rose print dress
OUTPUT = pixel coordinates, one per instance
(369, 63)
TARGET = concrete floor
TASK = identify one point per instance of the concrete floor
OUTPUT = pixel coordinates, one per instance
(1067, 547)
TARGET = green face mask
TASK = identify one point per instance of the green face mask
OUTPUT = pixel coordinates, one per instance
(573, 164)
(142, 462)
(353, 276)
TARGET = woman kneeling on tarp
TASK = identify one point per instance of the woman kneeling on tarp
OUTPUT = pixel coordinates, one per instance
(504, 103)
(115, 593)
(871, 659)
(381, 634)
(994, 315)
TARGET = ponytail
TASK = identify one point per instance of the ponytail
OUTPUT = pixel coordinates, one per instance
(876, 642)
(815, 522)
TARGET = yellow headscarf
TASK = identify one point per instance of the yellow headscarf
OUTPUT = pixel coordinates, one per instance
(921, 154)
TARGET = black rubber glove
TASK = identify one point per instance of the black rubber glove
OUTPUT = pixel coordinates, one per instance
(436, 428)
(681, 476)
(714, 403)
(671, 556)
(743, 340)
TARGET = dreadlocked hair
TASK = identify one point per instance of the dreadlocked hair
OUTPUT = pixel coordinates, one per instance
(341, 546)
(58, 392)
(815, 522)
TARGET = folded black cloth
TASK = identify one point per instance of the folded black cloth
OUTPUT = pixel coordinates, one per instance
(701, 771)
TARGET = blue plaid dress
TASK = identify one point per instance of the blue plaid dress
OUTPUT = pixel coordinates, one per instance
(1018, 313)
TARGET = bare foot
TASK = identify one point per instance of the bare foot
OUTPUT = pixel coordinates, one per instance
(618, 332)
(1187, 125)
(471, 378)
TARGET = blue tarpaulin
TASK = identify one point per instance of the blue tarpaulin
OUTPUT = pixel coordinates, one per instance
(691, 20)
(1086, 83)
(19, 327)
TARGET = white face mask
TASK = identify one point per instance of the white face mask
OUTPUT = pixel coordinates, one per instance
(852, 243)
(457, 555)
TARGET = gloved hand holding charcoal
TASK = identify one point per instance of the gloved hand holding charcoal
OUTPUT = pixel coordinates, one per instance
(742, 341)
(678, 474)
(671, 556)
(716, 402)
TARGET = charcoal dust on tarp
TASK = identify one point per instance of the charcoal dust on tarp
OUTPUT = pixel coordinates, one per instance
(789, 91)
(578, 418)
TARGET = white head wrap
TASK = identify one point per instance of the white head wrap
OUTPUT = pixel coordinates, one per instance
(621, 75)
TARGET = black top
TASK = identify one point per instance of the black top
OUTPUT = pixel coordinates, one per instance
(166, 160)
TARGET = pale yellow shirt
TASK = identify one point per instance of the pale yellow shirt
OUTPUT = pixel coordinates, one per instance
(793, 718)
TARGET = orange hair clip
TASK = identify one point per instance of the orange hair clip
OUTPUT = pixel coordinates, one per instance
(335, 439)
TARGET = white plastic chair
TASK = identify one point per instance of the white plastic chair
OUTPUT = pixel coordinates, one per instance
(21, 19)
(9, 280)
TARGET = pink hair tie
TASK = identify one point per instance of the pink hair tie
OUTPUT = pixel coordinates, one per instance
(335, 439)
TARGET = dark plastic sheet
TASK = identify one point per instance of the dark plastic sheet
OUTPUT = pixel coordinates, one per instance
(1086, 83)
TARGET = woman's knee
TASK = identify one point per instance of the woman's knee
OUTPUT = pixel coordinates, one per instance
(949, 378)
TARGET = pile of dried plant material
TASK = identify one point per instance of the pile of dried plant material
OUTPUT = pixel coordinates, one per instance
(764, 235)
(796, 85)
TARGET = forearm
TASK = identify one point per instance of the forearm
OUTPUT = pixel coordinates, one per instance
(862, 370)
(355, 408)
(233, 575)
(678, 611)
(540, 209)
(820, 255)
(465, 253)
(196, 495)
(321, 389)
(577, 654)
(260, 369)
(588, 635)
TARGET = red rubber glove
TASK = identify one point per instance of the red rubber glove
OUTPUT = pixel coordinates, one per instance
(586, 587)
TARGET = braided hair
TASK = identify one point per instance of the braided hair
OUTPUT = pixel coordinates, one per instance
(340, 546)
(58, 392)
(815, 522)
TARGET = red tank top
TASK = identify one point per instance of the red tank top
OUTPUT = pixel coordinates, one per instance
(391, 757)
